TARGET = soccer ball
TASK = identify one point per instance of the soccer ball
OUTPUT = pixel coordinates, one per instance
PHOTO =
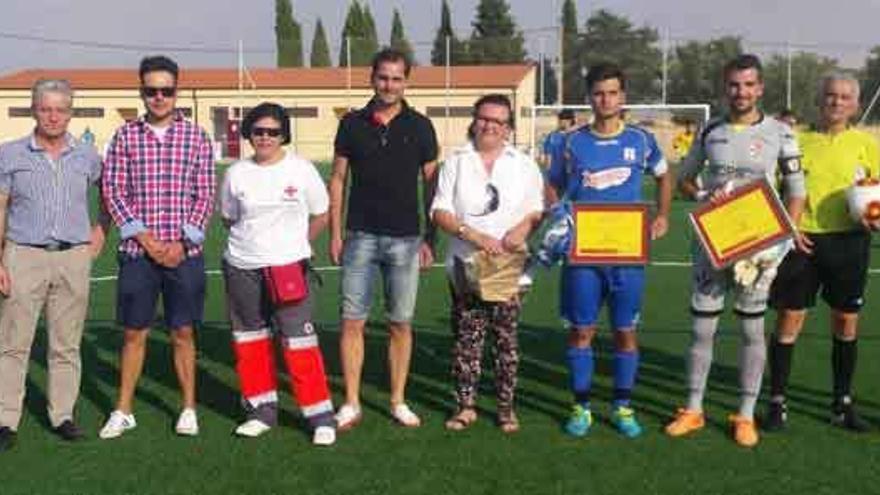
(863, 200)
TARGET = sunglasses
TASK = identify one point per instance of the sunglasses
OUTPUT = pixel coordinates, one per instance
(151, 92)
(266, 131)
(493, 201)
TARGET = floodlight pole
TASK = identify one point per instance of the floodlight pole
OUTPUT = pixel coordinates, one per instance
(560, 77)
(663, 95)
(788, 76)
(541, 70)
(447, 84)
(348, 70)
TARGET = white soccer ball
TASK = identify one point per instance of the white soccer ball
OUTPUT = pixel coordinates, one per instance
(863, 200)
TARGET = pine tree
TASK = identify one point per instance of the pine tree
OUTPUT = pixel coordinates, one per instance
(369, 34)
(320, 54)
(288, 36)
(458, 50)
(351, 30)
(495, 38)
(398, 37)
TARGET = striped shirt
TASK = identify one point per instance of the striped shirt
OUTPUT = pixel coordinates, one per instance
(162, 186)
(48, 198)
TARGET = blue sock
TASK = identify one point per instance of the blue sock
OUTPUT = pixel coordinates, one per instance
(580, 366)
(626, 366)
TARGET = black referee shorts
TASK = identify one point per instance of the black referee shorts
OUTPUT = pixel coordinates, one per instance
(838, 266)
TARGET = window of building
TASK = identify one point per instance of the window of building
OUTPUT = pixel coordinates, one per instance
(88, 113)
(302, 112)
(18, 112)
(453, 112)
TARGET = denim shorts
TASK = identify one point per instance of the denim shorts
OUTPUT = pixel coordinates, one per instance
(141, 280)
(367, 255)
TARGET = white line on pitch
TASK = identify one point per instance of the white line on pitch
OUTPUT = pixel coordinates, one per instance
(661, 264)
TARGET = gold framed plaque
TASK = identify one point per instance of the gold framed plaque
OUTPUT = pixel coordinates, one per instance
(609, 234)
(750, 220)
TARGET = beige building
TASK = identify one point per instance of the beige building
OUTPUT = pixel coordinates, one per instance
(316, 99)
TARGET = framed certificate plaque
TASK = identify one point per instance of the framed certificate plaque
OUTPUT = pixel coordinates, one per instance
(750, 220)
(610, 234)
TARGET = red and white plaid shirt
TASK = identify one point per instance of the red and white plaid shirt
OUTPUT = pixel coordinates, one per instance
(165, 187)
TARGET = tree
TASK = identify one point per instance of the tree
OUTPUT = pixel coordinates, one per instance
(369, 34)
(695, 70)
(495, 38)
(609, 38)
(870, 77)
(458, 50)
(572, 80)
(806, 70)
(288, 36)
(398, 37)
(354, 29)
(550, 90)
(320, 53)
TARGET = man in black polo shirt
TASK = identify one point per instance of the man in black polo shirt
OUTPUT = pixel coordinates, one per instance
(385, 146)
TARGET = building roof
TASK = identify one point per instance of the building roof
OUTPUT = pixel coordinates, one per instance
(483, 76)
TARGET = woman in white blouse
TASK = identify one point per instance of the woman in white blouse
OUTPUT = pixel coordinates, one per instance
(274, 204)
(489, 198)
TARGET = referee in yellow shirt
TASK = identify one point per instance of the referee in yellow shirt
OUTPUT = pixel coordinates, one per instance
(832, 250)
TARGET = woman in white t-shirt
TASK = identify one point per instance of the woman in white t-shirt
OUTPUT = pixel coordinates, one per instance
(489, 197)
(274, 205)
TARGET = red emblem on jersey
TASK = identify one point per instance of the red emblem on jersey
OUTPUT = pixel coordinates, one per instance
(755, 148)
(290, 192)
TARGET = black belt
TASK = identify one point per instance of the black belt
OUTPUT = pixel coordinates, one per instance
(54, 246)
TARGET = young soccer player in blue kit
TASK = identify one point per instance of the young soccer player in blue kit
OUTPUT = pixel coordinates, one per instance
(605, 162)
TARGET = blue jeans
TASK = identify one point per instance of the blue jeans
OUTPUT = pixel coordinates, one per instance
(365, 256)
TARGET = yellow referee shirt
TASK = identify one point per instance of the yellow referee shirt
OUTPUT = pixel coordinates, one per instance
(830, 164)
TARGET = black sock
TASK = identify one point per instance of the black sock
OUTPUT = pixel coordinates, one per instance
(780, 367)
(843, 365)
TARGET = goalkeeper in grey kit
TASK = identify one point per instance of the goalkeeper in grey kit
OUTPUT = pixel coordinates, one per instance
(732, 151)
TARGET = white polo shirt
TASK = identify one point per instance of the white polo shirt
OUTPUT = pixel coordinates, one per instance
(463, 190)
(269, 207)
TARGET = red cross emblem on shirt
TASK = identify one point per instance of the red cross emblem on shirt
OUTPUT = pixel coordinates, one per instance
(290, 191)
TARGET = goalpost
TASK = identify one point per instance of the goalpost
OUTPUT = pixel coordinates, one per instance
(667, 122)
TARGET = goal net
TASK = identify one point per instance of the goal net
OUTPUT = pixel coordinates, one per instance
(673, 125)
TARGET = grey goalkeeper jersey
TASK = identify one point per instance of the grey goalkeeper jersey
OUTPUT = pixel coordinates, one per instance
(726, 152)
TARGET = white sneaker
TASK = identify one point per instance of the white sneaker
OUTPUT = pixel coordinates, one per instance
(252, 428)
(348, 417)
(116, 425)
(324, 435)
(404, 416)
(187, 423)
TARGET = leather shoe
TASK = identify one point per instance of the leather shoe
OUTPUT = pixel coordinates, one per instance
(68, 431)
(7, 438)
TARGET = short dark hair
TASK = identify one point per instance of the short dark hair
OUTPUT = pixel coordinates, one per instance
(566, 114)
(603, 72)
(158, 63)
(393, 56)
(271, 110)
(745, 61)
(496, 99)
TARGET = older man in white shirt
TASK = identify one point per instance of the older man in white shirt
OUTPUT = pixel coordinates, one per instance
(490, 198)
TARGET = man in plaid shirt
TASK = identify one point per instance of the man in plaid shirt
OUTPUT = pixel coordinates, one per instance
(158, 186)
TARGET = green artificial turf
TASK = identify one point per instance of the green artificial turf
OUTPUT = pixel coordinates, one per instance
(379, 457)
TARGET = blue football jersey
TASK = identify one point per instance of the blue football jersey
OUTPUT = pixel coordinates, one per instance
(606, 168)
(554, 143)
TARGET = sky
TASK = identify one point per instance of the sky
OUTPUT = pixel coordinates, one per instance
(205, 33)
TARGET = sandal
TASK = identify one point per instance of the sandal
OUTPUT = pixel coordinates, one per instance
(508, 422)
(462, 420)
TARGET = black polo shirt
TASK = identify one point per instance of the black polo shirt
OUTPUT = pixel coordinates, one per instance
(385, 162)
